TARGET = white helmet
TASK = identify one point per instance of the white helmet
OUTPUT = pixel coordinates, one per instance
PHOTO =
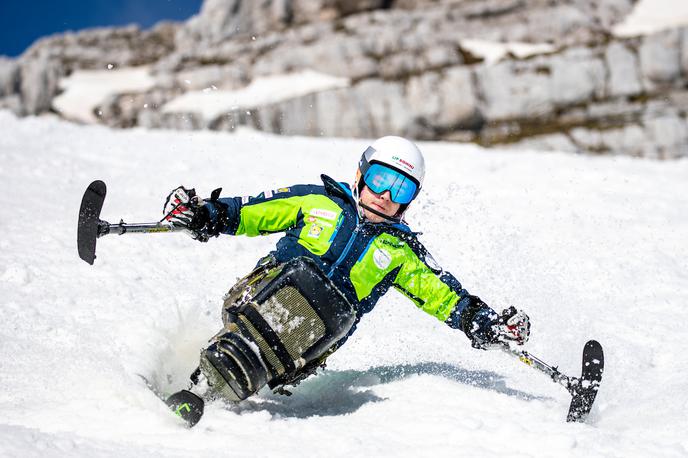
(403, 158)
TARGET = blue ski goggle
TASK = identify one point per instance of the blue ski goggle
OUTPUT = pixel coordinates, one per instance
(380, 178)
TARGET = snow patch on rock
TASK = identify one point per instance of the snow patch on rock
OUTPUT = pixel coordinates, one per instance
(492, 51)
(212, 102)
(650, 16)
(84, 90)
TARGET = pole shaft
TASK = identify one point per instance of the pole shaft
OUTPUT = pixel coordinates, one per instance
(105, 228)
(540, 365)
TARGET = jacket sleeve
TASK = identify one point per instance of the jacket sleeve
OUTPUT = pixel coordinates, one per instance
(438, 292)
(266, 213)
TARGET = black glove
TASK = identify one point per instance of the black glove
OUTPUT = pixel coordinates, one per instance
(201, 224)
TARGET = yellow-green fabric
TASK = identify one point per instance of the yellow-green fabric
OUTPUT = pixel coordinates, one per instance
(414, 278)
(319, 214)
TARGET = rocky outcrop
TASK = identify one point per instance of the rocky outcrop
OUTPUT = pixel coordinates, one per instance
(49, 59)
(9, 76)
(417, 68)
(9, 86)
(562, 22)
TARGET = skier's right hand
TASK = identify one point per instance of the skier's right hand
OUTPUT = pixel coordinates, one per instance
(184, 208)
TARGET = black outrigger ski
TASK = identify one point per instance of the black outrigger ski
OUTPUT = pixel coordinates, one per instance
(90, 227)
(583, 389)
(89, 214)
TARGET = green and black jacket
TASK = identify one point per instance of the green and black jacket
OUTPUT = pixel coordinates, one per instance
(363, 259)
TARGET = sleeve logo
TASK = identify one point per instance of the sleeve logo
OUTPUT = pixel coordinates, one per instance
(381, 258)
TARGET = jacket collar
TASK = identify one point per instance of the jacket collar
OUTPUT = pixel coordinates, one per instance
(336, 188)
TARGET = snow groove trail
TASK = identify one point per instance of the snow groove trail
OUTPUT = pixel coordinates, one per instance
(591, 247)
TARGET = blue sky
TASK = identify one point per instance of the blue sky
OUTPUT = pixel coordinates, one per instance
(23, 21)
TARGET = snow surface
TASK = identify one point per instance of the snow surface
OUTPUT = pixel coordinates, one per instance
(493, 51)
(590, 247)
(212, 102)
(650, 16)
(84, 90)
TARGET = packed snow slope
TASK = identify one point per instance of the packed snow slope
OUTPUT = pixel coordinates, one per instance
(590, 247)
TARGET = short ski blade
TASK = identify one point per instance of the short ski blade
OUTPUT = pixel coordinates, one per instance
(585, 389)
(186, 405)
(89, 213)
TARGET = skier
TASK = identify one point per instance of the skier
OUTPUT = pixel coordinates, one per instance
(353, 237)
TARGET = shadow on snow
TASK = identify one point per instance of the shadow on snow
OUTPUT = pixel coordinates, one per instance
(341, 392)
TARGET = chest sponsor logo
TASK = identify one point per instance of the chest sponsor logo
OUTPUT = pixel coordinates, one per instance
(381, 258)
(322, 213)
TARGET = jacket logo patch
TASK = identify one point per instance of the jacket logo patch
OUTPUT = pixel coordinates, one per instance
(381, 258)
(315, 231)
(280, 190)
(322, 213)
